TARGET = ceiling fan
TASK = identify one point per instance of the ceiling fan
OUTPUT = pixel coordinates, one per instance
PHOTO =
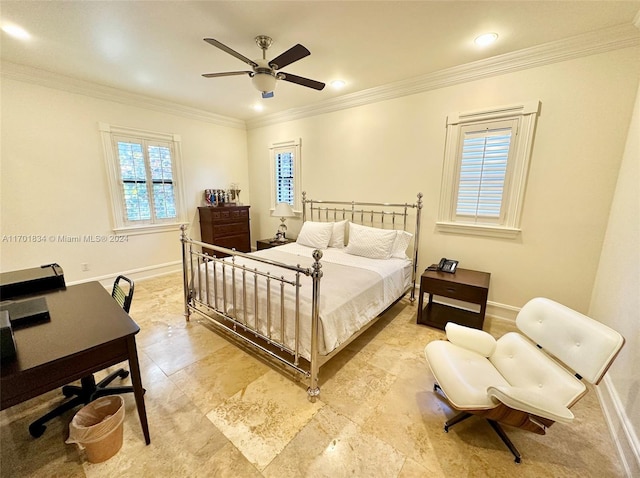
(265, 74)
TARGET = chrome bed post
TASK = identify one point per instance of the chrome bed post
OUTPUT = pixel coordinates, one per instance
(185, 270)
(313, 391)
(416, 244)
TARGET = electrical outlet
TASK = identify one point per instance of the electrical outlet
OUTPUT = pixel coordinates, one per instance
(84, 266)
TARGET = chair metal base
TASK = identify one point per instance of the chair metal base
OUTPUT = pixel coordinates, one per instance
(495, 425)
(87, 392)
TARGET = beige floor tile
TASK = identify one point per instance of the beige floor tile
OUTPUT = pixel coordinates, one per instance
(263, 417)
(332, 446)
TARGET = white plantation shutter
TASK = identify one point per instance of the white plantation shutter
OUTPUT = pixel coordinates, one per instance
(484, 175)
(144, 174)
(483, 169)
(284, 177)
(286, 185)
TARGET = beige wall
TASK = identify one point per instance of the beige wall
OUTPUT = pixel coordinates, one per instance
(390, 150)
(54, 180)
(616, 295)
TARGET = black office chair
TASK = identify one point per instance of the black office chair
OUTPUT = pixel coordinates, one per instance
(89, 390)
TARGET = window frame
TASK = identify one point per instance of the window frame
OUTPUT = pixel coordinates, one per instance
(524, 116)
(292, 146)
(120, 224)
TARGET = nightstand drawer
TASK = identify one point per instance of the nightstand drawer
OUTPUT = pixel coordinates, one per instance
(457, 291)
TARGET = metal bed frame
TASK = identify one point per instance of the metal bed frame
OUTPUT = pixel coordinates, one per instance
(206, 298)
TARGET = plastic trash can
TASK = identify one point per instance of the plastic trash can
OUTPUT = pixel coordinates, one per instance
(97, 428)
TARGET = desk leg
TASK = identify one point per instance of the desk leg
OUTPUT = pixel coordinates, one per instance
(138, 391)
(420, 301)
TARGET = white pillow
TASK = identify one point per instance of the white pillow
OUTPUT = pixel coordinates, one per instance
(370, 241)
(315, 234)
(337, 236)
(399, 250)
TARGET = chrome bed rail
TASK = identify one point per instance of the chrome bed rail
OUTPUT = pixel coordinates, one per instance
(223, 300)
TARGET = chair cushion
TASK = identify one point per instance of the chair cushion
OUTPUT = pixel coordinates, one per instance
(583, 344)
(527, 400)
(524, 365)
(471, 339)
(463, 375)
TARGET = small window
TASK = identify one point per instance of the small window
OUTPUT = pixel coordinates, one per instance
(285, 173)
(143, 170)
(486, 163)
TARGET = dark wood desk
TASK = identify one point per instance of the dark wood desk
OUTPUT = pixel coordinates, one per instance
(88, 332)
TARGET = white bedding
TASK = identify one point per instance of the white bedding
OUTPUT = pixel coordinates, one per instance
(353, 290)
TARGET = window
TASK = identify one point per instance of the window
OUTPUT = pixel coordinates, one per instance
(485, 168)
(143, 177)
(285, 174)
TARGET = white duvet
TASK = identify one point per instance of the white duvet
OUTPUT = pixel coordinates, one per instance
(353, 291)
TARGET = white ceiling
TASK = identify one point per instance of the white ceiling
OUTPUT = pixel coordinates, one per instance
(157, 49)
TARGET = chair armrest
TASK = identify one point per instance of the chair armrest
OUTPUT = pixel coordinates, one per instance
(475, 340)
(530, 401)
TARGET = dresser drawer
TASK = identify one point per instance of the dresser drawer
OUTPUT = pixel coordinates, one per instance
(229, 229)
(239, 243)
(221, 214)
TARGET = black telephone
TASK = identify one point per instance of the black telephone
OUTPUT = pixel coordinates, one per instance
(447, 265)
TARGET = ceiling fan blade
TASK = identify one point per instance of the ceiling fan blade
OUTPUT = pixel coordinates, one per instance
(294, 53)
(227, 73)
(316, 85)
(225, 48)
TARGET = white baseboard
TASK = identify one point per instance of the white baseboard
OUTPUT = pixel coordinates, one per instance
(141, 273)
(620, 427)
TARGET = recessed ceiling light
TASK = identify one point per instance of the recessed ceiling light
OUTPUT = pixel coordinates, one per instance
(258, 107)
(486, 39)
(16, 31)
(338, 83)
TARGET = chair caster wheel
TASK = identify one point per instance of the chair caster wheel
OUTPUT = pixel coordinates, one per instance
(517, 460)
(124, 374)
(36, 431)
(446, 429)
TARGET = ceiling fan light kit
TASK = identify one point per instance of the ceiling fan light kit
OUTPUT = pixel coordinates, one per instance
(264, 75)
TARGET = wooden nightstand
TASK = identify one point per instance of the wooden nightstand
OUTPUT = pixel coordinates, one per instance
(465, 285)
(269, 243)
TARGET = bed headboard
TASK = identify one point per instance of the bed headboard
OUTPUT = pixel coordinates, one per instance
(396, 216)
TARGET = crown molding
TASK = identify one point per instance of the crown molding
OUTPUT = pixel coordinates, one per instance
(15, 71)
(599, 41)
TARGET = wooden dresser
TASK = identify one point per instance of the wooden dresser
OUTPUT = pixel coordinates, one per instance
(225, 226)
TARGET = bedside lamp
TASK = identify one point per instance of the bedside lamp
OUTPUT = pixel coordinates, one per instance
(283, 210)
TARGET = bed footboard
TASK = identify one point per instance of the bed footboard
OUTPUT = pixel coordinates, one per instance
(245, 296)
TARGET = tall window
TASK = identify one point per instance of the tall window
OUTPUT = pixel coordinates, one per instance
(144, 173)
(284, 177)
(285, 174)
(485, 169)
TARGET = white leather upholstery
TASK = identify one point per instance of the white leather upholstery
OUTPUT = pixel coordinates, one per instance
(471, 339)
(583, 344)
(524, 365)
(531, 402)
(477, 372)
(463, 375)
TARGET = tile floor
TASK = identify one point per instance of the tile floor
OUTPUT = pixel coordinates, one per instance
(217, 411)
